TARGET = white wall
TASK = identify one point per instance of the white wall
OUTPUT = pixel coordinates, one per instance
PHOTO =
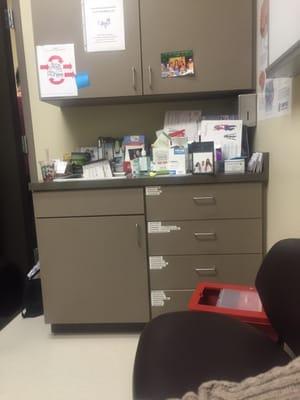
(284, 26)
(281, 137)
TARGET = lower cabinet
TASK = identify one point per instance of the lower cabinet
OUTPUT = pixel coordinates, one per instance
(94, 269)
(99, 263)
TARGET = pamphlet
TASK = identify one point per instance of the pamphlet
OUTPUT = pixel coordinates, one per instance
(226, 133)
(187, 120)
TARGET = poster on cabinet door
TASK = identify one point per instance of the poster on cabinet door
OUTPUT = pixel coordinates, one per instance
(103, 25)
(274, 96)
(57, 70)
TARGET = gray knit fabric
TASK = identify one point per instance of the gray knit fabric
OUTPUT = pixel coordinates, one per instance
(279, 383)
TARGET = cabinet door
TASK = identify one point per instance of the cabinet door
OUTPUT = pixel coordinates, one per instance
(220, 33)
(111, 73)
(94, 270)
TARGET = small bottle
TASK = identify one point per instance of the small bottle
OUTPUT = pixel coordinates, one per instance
(100, 149)
(219, 158)
(144, 162)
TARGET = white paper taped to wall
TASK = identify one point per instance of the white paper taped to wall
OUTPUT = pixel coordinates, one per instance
(57, 70)
(103, 25)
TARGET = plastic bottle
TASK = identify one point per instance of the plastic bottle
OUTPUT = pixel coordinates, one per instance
(144, 162)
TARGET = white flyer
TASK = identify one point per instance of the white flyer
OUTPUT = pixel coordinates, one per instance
(57, 70)
(227, 134)
(103, 25)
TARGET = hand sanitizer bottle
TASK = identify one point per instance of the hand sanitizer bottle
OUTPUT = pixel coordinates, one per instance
(144, 163)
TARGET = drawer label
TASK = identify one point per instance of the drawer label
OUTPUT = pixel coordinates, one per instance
(158, 298)
(157, 263)
(158, 227)
(153, 191)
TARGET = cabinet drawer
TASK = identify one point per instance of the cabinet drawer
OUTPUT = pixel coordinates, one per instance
(177, 272)
(163, 301)
(239, 200)
(205, 237)
(88, 203)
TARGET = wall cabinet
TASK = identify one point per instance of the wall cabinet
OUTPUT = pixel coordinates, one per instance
(220, 33)
(112, 74)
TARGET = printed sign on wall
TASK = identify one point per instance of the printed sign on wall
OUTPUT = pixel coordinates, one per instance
(57, 70)
(103, 25)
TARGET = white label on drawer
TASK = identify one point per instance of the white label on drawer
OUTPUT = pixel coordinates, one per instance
(157, 263)
(158, 298)
(157, 227)
(153, 191)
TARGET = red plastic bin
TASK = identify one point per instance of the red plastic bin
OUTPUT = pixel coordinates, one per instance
(205, 298)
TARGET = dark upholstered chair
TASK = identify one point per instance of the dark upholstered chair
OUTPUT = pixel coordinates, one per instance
(179, 351)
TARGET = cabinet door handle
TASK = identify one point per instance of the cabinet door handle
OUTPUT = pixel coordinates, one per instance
(206, 271)
(133, 77)
(205, 235)
(150, 76)
(204, 198)
(138, 235)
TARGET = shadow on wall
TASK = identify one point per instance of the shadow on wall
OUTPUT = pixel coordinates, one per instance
(86, 124)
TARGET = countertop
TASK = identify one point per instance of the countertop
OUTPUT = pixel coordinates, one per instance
(163, 180)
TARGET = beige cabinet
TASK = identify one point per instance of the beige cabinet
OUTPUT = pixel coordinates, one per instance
(208, 232)
(93, 268)
(111, 73)
(126, 254)
(220, 34)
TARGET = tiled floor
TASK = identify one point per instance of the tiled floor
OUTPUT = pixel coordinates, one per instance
(35, 364)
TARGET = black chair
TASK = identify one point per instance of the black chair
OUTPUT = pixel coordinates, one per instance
(179, 351)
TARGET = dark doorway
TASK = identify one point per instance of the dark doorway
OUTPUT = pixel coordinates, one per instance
(17, 231)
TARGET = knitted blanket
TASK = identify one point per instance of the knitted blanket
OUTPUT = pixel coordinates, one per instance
(278, 383)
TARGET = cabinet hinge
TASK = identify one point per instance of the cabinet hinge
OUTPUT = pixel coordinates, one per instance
(24, 144)
(9, 18)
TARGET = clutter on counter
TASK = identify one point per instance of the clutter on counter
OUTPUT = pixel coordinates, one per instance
(185, 145)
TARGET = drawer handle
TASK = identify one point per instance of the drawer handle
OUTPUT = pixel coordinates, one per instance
(150, 76)
(138, 235)
(133, 78)
(205, 235)
(204, 198)
(206, 271)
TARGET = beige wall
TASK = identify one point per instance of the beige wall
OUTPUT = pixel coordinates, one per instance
(63, 130)
(281, 137)
(13, 40)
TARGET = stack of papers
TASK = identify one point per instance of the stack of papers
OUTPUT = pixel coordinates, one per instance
(97, 170)
(187, 120)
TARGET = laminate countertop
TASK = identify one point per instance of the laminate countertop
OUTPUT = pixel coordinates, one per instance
(144, 181)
